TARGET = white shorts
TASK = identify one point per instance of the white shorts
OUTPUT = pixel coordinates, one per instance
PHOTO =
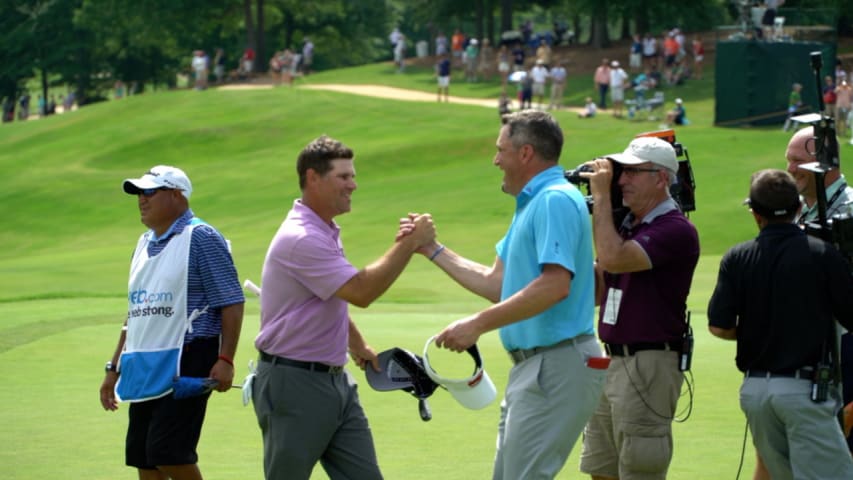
(635, 60)
(617, 94)
(443, 82)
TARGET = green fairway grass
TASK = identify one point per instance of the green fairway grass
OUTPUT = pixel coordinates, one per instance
(68, 231)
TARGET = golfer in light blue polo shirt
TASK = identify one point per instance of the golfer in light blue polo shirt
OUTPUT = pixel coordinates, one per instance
(542, 284)
(551, 226)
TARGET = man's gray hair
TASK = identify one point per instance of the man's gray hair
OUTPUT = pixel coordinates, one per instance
(538, 129)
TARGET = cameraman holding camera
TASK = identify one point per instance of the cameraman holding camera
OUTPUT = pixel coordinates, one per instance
(777, 296)
(645, 267)
(839, 200)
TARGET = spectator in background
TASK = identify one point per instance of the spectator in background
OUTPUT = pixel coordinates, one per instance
(588, 109)
(698, 56)
(670, 55)
(558, 86)
(641, 84)
(635, 61)
(843, 97)
(539, 73)
(8, 109)
(650, 51)
(486, 59)
(829, 96)
(518, 58)
(118, 90)
(247, 62)
(24, 104)
(307, 56)
(795, 102)
(680, 40)
(284, 62)
(840, 74)
(199, 66)
(472, 51)
(457, 45)
(400, 53)
(219, 65)
(677, 115)
(440, 44)
(769, 17)
(68, 105)
(442, 71)
(526, 31)
(618, 79)
(602, 82)
(543, 53)
(503, 66)
(525, 94)
(295, 65)
(393, 38)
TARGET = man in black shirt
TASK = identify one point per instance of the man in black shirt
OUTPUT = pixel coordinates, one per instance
(777, 296)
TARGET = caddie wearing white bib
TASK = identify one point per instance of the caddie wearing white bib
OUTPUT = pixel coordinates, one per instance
(185, 309)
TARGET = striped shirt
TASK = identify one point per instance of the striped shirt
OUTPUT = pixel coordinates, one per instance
(212, 280)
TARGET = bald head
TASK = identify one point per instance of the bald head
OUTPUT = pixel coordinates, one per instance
(801, 151)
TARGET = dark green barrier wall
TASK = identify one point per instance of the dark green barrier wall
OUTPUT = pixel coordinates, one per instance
(753, 79)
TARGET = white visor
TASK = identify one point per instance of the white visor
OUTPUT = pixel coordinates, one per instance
(474, 392)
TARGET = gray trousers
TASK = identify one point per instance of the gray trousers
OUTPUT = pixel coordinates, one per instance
(549, 398)
(796, 438)
(306, 417)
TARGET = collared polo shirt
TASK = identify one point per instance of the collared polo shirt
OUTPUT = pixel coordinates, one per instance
(781, 290)
(551, 225)
(301, 318)
(653, 302)
(839, 199)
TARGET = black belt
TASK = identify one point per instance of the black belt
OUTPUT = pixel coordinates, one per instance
(313, 366)
(520, 355)
(628, 349)
(804, 373)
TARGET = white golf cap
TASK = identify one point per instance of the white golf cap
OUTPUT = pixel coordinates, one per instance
(648, 149)
(161, 176)
(474, 392)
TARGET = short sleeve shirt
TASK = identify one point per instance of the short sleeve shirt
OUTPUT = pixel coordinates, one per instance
(781, 291)
(551, 225)
(839, 199)
(653, 302)
(301, 318)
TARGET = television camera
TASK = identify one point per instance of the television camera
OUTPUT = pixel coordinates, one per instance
(682, 191)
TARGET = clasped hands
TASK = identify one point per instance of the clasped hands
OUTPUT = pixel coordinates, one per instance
(419, 229)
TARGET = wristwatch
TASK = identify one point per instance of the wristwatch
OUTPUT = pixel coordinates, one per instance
(110, 367)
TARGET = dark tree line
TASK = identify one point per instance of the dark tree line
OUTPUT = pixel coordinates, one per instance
(89, 44)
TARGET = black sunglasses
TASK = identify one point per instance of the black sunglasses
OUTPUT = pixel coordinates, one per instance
(149, 192)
